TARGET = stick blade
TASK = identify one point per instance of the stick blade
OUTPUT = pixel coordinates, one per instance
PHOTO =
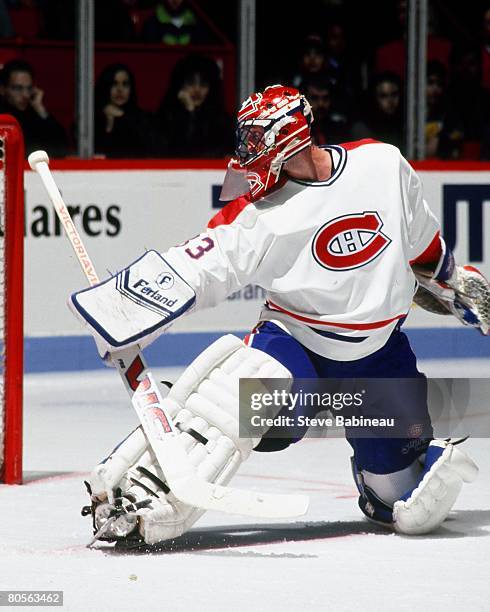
(195, 492)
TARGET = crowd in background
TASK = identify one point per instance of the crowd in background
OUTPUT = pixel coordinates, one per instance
(172, 22)
(356, 90)
(353, 100)
(191, 120)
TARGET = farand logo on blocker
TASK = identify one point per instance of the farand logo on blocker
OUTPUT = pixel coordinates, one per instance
(165, 280)
(145, 288)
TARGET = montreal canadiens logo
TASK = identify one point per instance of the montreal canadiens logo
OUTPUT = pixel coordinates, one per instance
(350, 241)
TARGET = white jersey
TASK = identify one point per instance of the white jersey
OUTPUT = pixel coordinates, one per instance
(333, 256)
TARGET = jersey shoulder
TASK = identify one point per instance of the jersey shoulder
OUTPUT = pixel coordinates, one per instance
(230, 211)
(373, 156)
(245, 210)
(367, 145)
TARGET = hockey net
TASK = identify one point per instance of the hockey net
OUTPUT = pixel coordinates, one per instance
(11, 298)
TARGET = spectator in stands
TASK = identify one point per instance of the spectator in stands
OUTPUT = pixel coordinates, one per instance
(122, 129)
(331, 59)
(175, 22)
(485, 64)
(328, 127)
(25, 101)
(436, 110)
(485, 49)
(342, 66)
(383, 116)
(192, 118)
(391, 57)
(312, 60)
(111, 17)
(468, 105)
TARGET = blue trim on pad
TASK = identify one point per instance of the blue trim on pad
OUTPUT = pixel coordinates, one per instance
(74, 353)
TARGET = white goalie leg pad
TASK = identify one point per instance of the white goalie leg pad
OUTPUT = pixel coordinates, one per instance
(204, 404)
(112, 472)
(424, 508)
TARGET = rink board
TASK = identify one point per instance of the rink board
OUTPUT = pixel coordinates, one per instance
(123, 208)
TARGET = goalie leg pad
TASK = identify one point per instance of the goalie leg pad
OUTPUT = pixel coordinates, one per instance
(434, 486)
(425, 507)
(108, 475)
(204, 404)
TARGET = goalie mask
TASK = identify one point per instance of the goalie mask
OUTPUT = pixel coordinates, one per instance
(272, 127)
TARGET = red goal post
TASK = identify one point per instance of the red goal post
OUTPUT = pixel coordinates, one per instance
(11, 298)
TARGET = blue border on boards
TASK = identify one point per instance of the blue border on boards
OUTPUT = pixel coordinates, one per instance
(75, 353)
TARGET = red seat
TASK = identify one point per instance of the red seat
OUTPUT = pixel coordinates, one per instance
(471, 149)
(138, 17)
(7, 54)
(26, 22)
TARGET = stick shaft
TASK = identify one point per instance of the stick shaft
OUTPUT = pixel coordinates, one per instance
(72, 233)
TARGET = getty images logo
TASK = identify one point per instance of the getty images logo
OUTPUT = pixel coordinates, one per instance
(164, 281)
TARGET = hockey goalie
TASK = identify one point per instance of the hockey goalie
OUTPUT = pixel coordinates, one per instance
(341, 240)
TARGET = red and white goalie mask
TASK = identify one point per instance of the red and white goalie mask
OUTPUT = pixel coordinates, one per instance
(272, 127)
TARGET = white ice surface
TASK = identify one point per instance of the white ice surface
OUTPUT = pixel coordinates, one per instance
(331, 560)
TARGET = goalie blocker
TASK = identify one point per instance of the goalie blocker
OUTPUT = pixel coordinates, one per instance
(134, 306)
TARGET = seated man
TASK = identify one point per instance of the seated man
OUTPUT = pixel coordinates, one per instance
(23, 100)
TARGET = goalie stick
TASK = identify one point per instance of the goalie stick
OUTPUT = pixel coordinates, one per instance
(149, 405)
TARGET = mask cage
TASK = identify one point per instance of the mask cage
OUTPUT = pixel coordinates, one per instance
(251, 139)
